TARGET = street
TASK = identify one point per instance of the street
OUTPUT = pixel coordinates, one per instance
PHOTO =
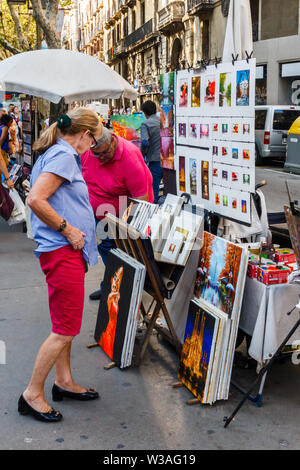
(138, 409)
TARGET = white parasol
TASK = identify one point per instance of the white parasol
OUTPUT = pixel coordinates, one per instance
(238, 37)
(54, 74)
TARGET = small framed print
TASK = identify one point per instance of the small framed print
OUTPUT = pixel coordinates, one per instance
(182, 131)
(234, 203)
(235, 153)
(248, 130)
(244, 206)
(225, 129)
(225, 200)
(215, 129)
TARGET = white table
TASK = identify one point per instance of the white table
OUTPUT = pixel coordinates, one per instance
(264, 316)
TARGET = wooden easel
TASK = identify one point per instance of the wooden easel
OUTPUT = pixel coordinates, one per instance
(130, 240)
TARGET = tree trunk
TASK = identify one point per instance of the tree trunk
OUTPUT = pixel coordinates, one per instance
(48, 27)
(18, 27)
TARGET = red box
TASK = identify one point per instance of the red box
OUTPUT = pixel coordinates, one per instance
(285, 255)
(270, 275)
(252, 269)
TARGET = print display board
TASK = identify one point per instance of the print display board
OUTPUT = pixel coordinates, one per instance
(215, 139)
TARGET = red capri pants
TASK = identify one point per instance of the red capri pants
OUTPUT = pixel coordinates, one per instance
(64, 270)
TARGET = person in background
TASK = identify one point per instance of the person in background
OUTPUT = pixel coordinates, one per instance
(150, 146)
(5, 122)
(63, 227)
(114, 168)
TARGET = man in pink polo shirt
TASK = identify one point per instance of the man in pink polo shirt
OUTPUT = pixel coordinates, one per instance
(114, 168)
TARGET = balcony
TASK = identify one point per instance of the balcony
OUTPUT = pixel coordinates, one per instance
(170, 17)
(139, 35)
(195, 6)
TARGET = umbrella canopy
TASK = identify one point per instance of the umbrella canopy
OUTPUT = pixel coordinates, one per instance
(54, 74)
(238, 37)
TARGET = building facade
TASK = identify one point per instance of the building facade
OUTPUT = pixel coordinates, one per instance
(141, 39)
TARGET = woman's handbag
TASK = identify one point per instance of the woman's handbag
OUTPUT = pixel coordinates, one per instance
(18, 214)
(6, 203)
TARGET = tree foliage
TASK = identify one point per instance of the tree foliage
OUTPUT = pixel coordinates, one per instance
(11, 40)
(23, 26)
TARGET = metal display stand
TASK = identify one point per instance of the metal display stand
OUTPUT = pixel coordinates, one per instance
(134, 244)
(292, 214)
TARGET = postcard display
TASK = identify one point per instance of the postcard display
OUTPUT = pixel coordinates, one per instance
(28, 124)
(213, 318)
(215, 142)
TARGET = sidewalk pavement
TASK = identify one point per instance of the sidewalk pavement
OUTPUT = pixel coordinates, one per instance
(138, 409)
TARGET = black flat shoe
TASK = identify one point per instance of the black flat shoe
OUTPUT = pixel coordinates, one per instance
(95, 295)
(58, 394)
(25, 409)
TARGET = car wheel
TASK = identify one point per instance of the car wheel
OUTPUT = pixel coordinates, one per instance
(258, 159)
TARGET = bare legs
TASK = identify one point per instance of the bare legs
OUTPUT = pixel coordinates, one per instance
(64, 377)
(56, 349)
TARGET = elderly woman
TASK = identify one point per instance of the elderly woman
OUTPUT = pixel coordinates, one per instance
(64, 228)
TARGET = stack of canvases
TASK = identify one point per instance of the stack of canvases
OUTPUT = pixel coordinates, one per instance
(213, 318)
(119, 306)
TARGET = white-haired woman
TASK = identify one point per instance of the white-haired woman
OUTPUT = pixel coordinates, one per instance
(64, 229)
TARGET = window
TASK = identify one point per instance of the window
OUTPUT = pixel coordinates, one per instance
(133, 20)
(125, 26)
(284, 118)
(260, 119)
(142, 13)
(278, 20)
(261, 85)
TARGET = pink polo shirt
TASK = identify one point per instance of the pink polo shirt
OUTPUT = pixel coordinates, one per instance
(125, 175)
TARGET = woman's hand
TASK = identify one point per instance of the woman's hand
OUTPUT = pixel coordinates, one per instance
(10, 184)
(74, 236)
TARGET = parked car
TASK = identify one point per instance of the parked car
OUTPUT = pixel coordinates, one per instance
(271, 126)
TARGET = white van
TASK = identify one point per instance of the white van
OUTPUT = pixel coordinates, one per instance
(271, 126)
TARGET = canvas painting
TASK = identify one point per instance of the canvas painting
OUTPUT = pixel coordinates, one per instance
(218, 271)
(225, 90)
(193, 176)
(166, 121)
(196, 88)
(210, 90)
(128, 127)
(242, 87)
(182, 181)
(198, 350)
(205, 179)
(167, 152)
(114, 307)
(183, 93)
(167, 86)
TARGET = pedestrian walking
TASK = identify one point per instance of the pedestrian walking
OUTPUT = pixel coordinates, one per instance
(63, 227)
(150, 146)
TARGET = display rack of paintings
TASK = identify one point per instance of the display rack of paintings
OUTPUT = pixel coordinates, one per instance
(213, 317)
(215, 115)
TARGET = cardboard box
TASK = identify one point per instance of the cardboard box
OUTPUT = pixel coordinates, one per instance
(270, 275)
(252, 269)
(285, 255)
